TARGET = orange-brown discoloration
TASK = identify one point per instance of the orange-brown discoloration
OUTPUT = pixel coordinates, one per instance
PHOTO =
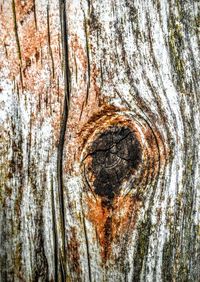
(7, 41)
(112, 222)
(23, 9)
(31, 41)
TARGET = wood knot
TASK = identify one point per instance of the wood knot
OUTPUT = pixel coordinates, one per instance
(115, 153)
(122, 155)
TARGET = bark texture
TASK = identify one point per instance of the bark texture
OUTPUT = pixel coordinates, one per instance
(99, 140)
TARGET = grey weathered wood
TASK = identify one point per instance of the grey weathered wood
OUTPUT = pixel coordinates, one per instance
(69, 70)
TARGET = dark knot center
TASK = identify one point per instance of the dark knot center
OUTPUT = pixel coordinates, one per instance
(115, 154)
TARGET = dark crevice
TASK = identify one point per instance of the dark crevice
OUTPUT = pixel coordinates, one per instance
(35, 14)
(49, 42)
(88, 58)
(64, 34)
(120, 157)
(105, 150)
(55, 239)
(18, 42)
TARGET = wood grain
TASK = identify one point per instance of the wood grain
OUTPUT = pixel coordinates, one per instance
(71, 70)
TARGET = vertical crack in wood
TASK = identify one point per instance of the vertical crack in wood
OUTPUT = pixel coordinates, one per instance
(35, 15)
(49, 41)
(55, 237)
(17, 41)
(61, 254)
(88, 58)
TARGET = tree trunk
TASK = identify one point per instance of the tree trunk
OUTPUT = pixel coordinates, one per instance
(99, 112)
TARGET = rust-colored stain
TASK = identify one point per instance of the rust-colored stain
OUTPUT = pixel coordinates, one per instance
(23, 9)
(112, 221)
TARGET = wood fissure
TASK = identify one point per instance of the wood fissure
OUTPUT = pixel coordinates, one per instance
(88, 58)
(55, 235)
(17, 41)
(35, 14)
(49, 41)
(61, 143)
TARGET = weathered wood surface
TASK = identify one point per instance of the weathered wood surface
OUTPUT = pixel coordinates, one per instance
(69, 72)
